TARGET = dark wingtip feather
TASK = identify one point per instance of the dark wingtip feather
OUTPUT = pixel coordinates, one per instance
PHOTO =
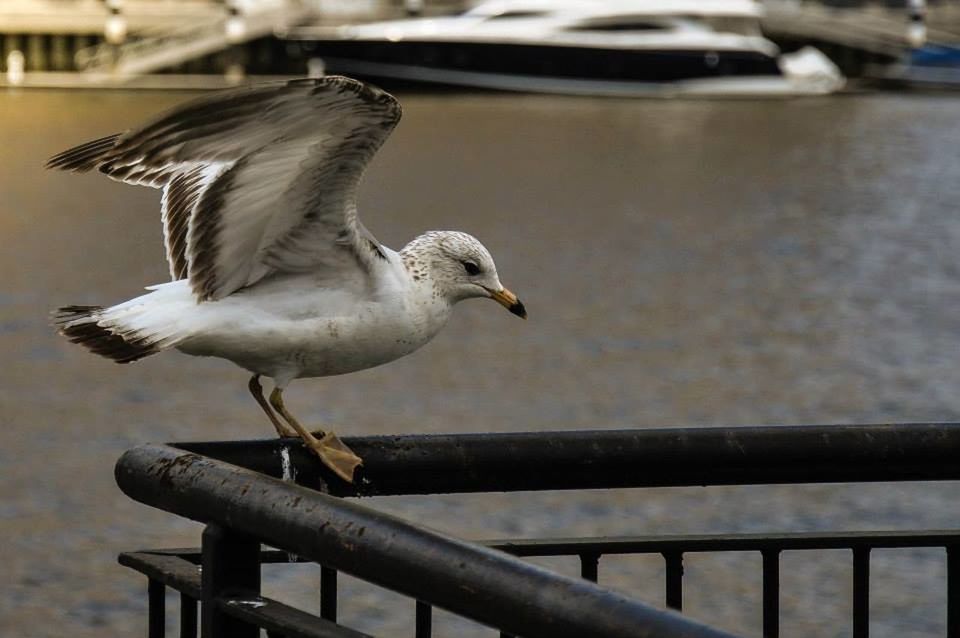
(85, 157)
(365, 91)
(79, 325)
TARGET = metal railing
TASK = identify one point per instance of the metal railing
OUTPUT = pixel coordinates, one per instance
(233, 487)
(770, 547)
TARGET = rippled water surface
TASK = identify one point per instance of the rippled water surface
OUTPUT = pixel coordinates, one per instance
(684, 263)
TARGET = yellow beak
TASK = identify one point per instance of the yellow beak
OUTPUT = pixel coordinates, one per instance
(509, 301)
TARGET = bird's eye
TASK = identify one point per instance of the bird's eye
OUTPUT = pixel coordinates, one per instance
(471, 268)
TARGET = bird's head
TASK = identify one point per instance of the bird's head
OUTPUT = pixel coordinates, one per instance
(459, 267)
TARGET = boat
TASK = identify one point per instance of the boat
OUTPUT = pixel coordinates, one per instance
(595, 47)
(933, 66)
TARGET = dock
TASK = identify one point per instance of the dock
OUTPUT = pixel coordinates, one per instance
(92, 43)
(202, 43)
(178, 45)
(856, 38)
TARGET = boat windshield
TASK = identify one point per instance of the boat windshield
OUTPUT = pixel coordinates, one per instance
(619, 25)
(741, 25)
(732, 18)
(518, 14)
(508, 9)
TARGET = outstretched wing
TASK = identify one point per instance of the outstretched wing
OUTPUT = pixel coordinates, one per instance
(255, 180)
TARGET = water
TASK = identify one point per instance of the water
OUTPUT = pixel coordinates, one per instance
(684, 263)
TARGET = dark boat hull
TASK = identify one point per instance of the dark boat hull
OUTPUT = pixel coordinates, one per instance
(564, 69)
(546, 61)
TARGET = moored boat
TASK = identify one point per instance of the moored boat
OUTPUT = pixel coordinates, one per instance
(600, 47)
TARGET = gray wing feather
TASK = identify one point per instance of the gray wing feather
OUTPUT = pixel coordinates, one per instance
(256, 180)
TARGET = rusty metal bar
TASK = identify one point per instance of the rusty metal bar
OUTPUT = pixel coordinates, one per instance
(485, 585)
(422, 464)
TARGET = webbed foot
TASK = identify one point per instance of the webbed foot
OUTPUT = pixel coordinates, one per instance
(335, 454)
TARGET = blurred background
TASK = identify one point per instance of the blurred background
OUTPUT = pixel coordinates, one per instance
(717, 213)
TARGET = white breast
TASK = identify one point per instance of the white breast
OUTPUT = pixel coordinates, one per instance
(321, 331)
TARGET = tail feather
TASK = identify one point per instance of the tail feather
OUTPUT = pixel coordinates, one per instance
(81, 324)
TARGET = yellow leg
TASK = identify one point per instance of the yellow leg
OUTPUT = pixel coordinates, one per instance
(331, 450)
(257, 391)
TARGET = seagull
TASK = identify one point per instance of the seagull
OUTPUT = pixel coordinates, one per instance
(271, 267)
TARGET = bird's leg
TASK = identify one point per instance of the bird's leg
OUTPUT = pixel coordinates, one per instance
(257, 391)
(332, 451)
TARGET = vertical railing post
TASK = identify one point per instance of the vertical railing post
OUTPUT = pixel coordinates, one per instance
(861, 592)
(424, 620)
(231, 564)
(771, 592)
(590, 566)
(188, 617)
(156, 609)
(674, 585)
(328, 593)
(953, 591)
